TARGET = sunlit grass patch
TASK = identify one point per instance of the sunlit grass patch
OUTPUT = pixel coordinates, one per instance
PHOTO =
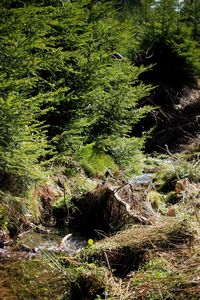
(167, 278)
(95, 163)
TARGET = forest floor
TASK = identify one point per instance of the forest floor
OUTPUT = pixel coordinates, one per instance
(147, 242)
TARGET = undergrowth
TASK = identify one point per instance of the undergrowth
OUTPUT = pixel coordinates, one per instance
(95, 163)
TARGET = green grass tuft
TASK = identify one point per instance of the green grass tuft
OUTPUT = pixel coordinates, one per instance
(95, 163)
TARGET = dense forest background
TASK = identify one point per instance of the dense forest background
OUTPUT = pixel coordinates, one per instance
(92, 79)
(99, 149)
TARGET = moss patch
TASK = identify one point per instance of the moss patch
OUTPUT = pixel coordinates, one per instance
(95, 163)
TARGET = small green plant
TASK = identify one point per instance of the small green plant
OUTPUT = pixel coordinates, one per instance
(156, 266)
(95, 163)
(155, 198)
(90, 242)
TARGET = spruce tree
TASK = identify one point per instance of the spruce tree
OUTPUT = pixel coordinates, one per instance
(60, 69)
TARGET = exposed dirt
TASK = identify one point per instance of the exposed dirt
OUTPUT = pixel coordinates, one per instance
(175, 124)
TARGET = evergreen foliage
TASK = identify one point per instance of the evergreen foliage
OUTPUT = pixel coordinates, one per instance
(23, 141)
(57, 58)
(63, 85)
(171, 24)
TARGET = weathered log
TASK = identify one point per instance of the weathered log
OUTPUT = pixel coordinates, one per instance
(110, 208)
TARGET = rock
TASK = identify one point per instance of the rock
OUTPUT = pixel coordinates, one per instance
(25, 248)
(65, 242)
(171, 212)
(2, 238)
(40, 229)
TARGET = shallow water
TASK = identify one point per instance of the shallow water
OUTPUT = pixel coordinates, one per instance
(36, 274)
(48, 241)
(31, 279)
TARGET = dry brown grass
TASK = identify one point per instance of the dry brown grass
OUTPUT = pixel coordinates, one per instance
(127, 250)
(168, 234)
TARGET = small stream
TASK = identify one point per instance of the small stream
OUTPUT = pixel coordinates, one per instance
(51, 239)
(26, 268)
